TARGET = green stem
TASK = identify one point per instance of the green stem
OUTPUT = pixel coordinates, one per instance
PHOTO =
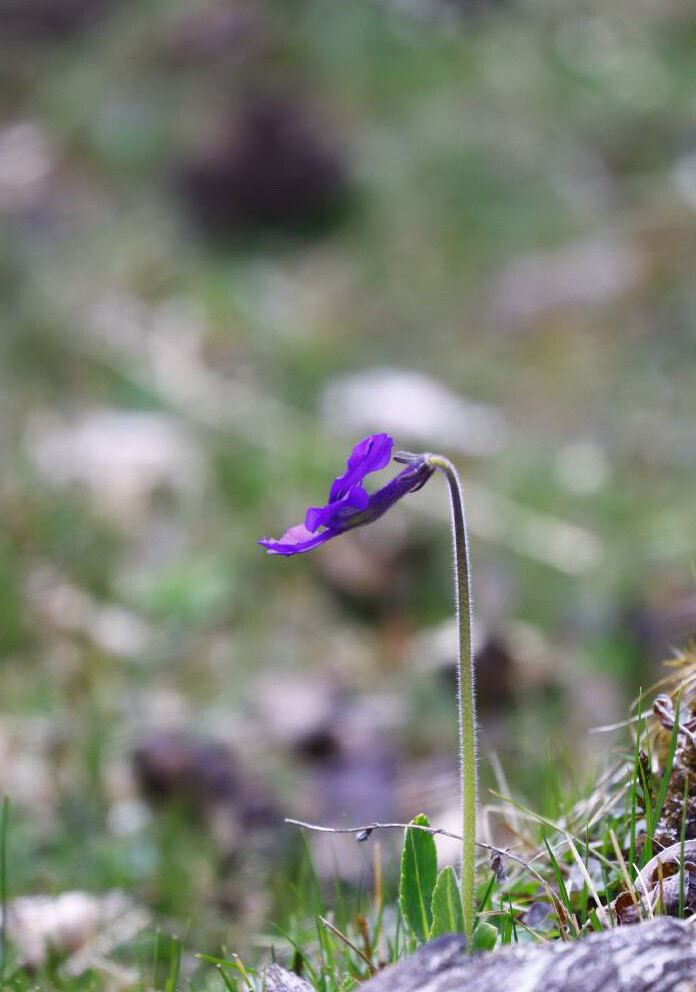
(465, 692)
(4, 820)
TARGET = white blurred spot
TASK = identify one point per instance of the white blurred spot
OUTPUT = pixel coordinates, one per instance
(438, 646)
(162, 348)
(122, 457)
(415, 408)
(74, 923)
(292, 709)
(26, 770)
(118, 630)
(588, 273)
(63, 606)
(582, 468)
(128, 816)
(25, 162)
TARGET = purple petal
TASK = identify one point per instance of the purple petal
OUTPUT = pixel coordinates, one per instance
(411, 478)
(295, 541)
(369, 455)
(324, 516)
(350, 505)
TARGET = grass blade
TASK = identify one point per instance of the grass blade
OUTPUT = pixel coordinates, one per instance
(669, 763)
(682, 840)
(174, 967)
(560, 882)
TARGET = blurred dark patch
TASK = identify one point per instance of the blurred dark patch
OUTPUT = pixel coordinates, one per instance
(376, 578)
(212, 30)
(655, 629)
(498, 675)
(320, 744)
(352, 760)
(344, 740)
(273, 169)
(465, 7)
(173, 766)
(44, 20)
(228, 802)
(202, 776)
(640, 143)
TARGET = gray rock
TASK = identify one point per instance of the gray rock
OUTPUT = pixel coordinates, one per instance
(277, 979)
(658, 956)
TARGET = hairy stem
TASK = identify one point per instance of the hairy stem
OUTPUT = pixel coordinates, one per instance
(465, 692)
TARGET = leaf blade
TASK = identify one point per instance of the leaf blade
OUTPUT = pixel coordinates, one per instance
(447, 910)
(418, 876)
(485, 937)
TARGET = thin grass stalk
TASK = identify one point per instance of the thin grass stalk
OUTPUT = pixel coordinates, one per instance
(682, 841)
(4, 820)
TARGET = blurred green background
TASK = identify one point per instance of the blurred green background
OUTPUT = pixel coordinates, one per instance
(235, 237)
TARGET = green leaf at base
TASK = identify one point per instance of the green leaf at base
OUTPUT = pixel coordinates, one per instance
(418, 874)
(485, 937)
(448, 915)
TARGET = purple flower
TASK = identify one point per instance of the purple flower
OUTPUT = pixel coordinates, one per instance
(350, 505)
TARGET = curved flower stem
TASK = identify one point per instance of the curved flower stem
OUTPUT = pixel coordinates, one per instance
(465, 691)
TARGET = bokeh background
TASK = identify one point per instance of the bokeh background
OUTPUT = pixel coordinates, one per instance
(235, 237)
